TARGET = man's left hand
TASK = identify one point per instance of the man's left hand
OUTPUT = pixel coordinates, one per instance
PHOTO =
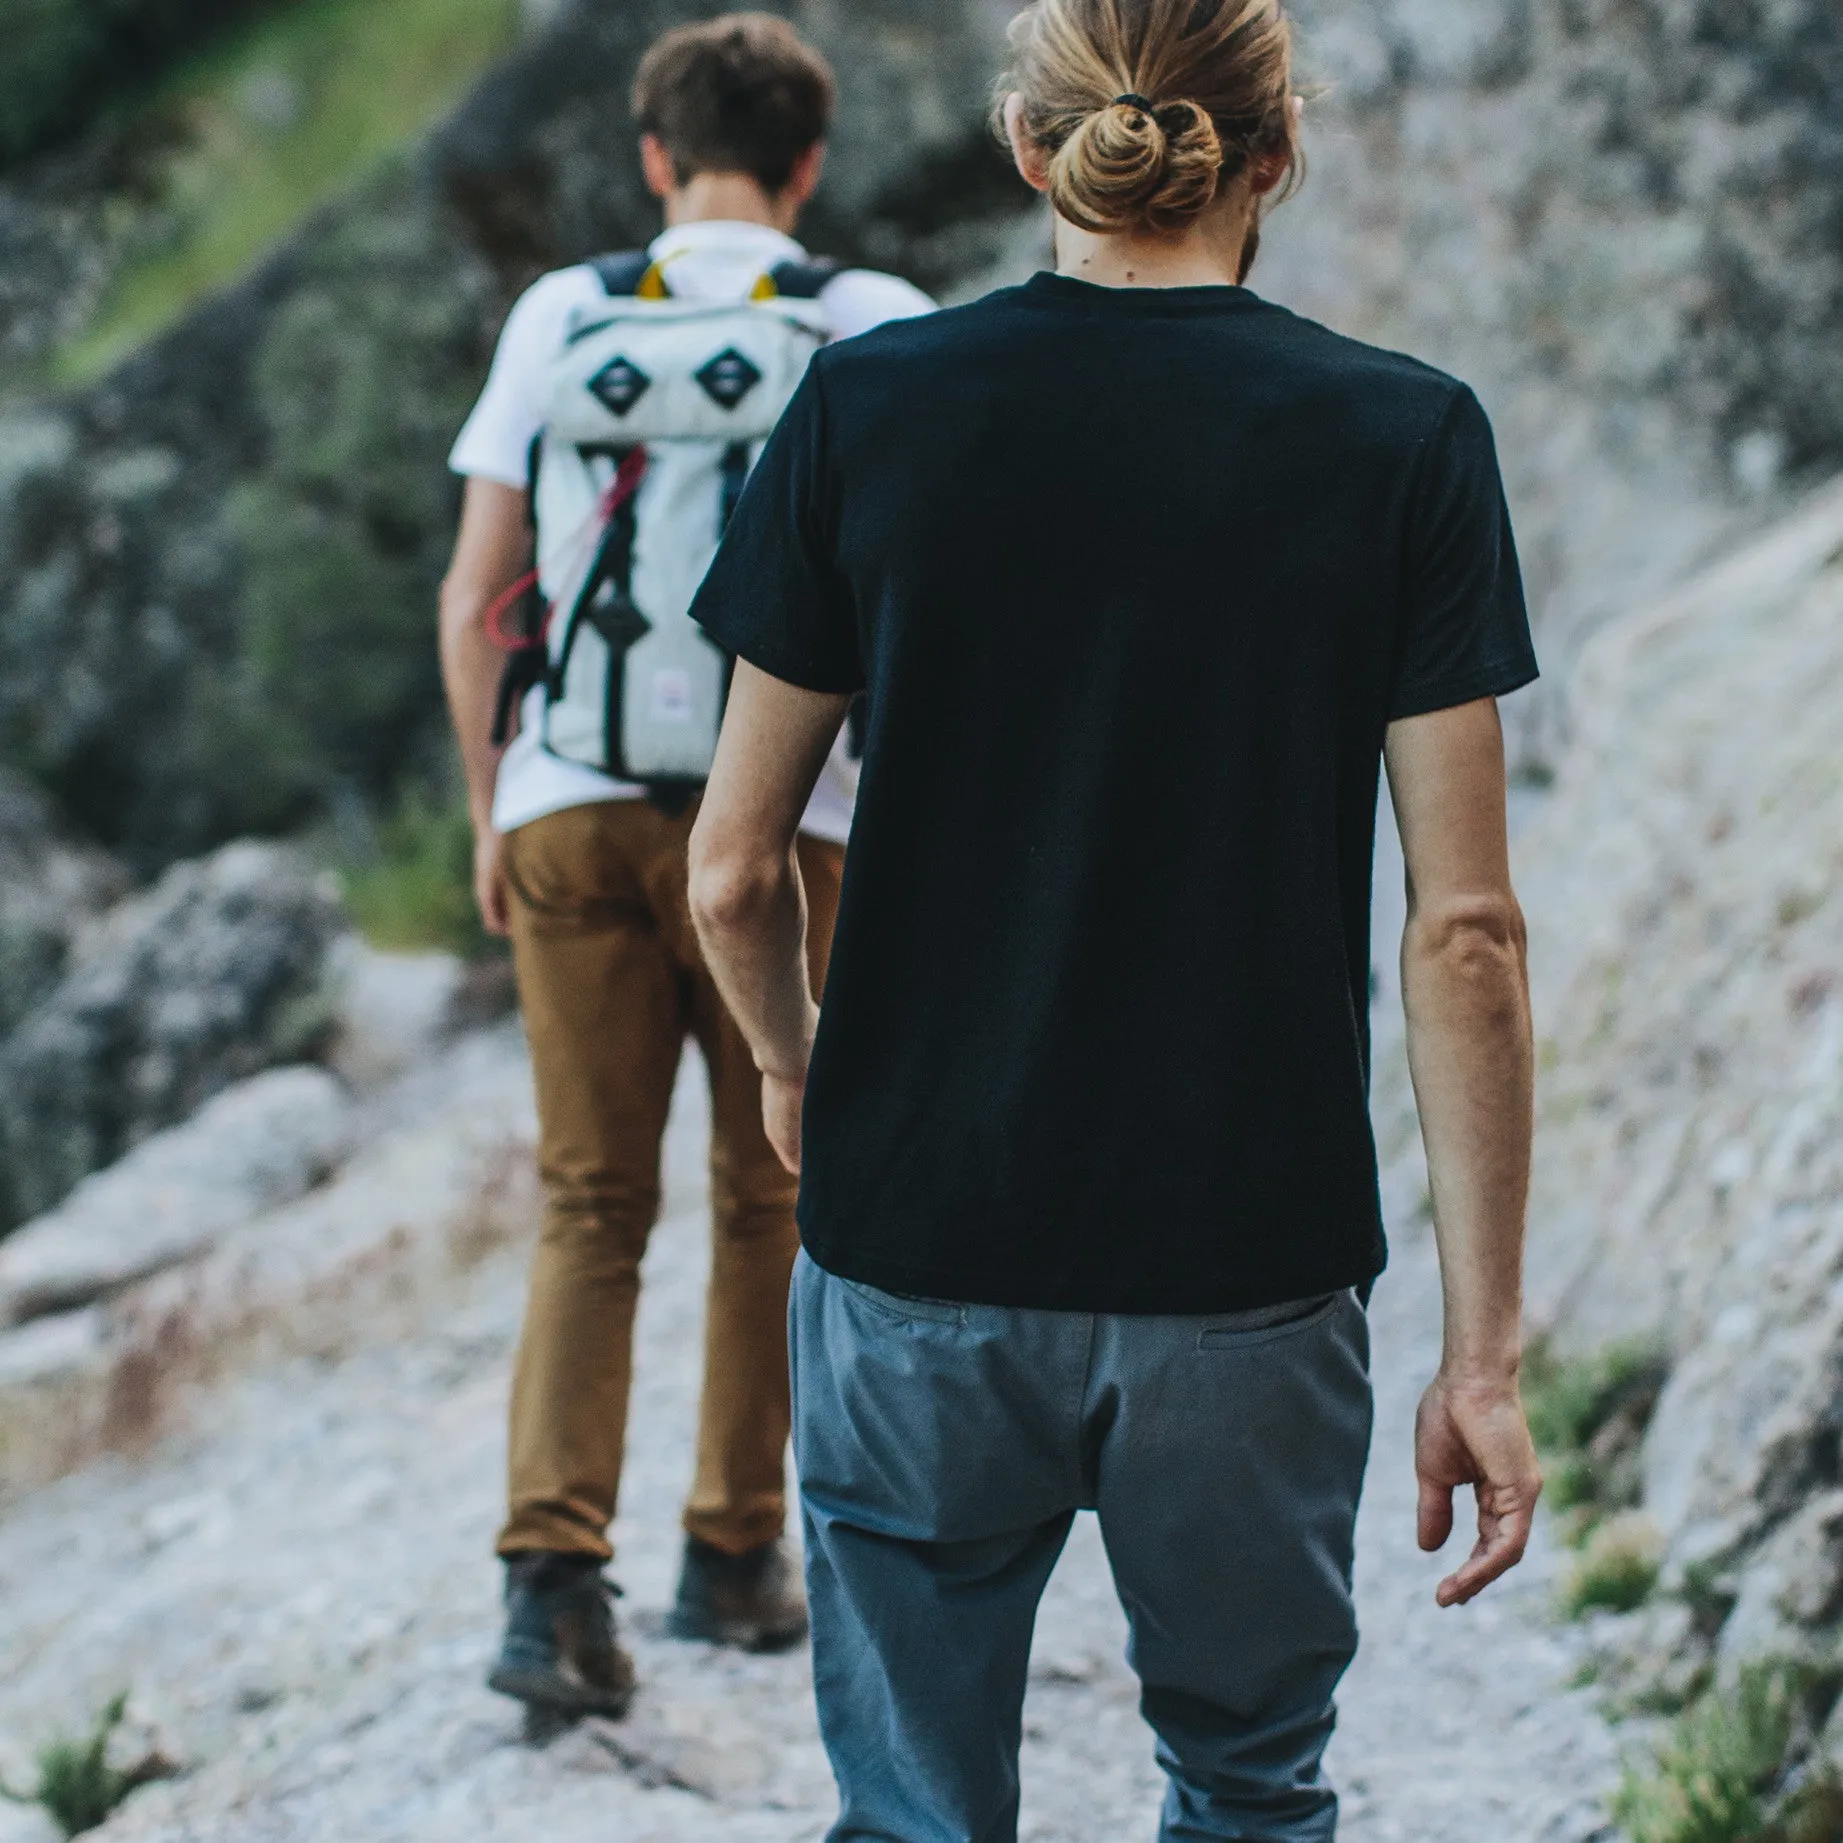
(1477, 1435)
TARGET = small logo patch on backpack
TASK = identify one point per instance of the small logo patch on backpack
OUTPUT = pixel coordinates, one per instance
(728, 378)
(620, 384)
(672, 696)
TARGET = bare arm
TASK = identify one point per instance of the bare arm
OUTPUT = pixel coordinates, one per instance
(1466, 990)
(492, 551)
(746, 896)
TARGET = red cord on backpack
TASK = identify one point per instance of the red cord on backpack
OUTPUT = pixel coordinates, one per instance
(626, 483)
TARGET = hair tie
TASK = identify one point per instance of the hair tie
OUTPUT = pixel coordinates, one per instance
(1133, 101)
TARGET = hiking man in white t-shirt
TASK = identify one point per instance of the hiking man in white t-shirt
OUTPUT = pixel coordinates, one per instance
(586, 873)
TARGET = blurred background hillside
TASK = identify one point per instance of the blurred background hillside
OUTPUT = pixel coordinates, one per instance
(253, 252)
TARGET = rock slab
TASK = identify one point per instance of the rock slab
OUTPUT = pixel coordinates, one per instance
(255, 1147)
(212, 975)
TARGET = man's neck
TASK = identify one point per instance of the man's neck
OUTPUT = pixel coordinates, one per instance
(732, 198)
(1210, 251)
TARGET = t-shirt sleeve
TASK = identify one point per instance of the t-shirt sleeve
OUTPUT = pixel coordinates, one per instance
(495, 441)
(856, 300)
(1464, 629)
(774, 595)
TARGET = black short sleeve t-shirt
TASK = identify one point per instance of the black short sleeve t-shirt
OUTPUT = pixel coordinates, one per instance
(1134, 580)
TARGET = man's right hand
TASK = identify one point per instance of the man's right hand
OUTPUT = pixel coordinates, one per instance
(490, 881)
(1476, 1434)
(490, 554)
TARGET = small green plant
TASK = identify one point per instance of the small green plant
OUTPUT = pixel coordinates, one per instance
(1724, 1772)
(412, 888)
(1715, 1770)
(1588, 1417)
(76, 1783)
(1617, 1569)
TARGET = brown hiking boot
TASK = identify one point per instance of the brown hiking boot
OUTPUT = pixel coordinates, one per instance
(753, 1601)
(560, 1651)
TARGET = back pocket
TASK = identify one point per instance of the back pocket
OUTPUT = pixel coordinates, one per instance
(1237, 1330)
(903, 1307)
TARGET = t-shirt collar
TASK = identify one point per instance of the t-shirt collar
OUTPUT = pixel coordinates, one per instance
(732, 237)
(1047, 288)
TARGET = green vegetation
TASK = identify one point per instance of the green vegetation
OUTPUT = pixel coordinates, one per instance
(1588, 1416)
(362, 378)
(60, 54)
(1617, 1569)
(274, 119)
(1729, 1771)
(76, 1783)
(413, 888)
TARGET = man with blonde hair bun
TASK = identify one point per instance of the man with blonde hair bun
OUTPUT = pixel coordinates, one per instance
(1143, 579)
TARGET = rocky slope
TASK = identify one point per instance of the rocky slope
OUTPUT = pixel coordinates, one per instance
(299, 1585)
(1618, 218)
(1685, 890)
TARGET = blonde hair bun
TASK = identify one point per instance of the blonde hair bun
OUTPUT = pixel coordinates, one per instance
(1148, 109)
(1125, 165)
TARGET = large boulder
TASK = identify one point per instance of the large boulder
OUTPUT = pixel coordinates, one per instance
(215, 973)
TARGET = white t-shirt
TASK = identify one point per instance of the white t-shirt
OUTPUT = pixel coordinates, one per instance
(712, 261)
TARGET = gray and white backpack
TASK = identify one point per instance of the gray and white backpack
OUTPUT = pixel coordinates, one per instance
(657, 409)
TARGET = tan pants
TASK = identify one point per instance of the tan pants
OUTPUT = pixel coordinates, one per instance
(612, 982)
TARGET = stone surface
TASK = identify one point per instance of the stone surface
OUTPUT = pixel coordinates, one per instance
(27, 1824)
(48, 891)
(442, 1177)
(253, 1148)
(1684, 887)
(212, 975)
(302, 1577)
(1792, 1591)
(1606, 214)
(391, 1011)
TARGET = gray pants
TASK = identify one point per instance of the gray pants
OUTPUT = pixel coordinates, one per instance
(943, 1451)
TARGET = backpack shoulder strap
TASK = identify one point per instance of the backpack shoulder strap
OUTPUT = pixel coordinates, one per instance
(629, 273)
(802, 280)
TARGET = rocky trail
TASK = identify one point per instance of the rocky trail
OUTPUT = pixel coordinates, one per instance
(298, 1587)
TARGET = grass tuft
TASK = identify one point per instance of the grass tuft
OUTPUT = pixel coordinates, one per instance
(77, 1785)
(1617, 1569)
(1723, 1774)
(411, 889)
(1715, 1769)
(1588, 1417)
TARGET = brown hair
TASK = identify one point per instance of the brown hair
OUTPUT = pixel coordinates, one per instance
(1149, 108)
(743, 93)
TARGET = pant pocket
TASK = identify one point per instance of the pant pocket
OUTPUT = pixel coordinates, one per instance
(1265, 1324)
(905, 1307)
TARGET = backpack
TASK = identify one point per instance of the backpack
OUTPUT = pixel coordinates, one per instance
(656, 409)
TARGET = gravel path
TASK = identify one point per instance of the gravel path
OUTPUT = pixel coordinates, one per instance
(301, 1589)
